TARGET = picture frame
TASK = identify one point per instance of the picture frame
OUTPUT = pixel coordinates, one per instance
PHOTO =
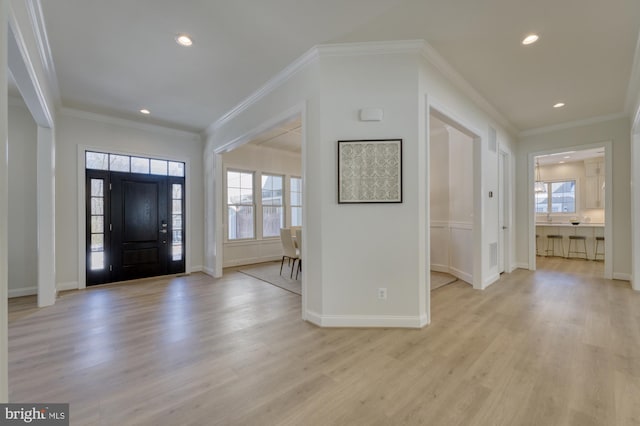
(370, 171)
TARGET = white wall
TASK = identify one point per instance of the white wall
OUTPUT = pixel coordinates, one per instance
(261, 160)
(22, 235)
(450, 96)
(353, 250)
(618, 132)
(76, 129)
(439, 199)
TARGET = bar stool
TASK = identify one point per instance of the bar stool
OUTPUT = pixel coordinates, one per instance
(574, 239)
(551, 244)
(595, 251)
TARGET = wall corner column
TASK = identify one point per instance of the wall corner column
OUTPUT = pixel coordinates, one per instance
(635, 209)
(4, 325)
(46, 217)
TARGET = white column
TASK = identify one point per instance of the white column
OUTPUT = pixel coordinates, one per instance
(4, 355)
(218, 216)
(635, 211)
(46, 217)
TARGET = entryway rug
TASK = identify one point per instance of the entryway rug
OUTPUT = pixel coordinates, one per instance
(270, 272)
(440, 279)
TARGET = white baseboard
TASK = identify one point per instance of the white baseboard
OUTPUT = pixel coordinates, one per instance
(522, 265)
(250, 261)
(208, 271)
(22, 291)
(73, 285)
(196, 268)
(440, 268)
(461, 275)
(385, 321)
(492, 279)
(621, 276)
(464, 276)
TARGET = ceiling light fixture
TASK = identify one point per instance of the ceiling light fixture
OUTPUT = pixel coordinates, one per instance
(559, 105)
(530, 39)
(184, 40)
(145, 111)
(539, 187)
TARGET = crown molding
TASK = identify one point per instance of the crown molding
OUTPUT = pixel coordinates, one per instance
(131, 124)
(276, 81)
(36, 16)
(342, 49)
(632, 101)
(24, 74)
(435, 59)
(370, 48)
(366, 48)
(571, 124)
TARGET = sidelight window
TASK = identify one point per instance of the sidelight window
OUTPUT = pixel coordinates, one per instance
(177, 213)
(97, 251)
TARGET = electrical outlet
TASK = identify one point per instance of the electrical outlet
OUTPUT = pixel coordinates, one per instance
(382, 293)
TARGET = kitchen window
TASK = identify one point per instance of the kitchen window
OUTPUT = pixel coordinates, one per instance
(560, 197)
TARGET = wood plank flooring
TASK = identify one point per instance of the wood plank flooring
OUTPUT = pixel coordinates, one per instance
(554, 347)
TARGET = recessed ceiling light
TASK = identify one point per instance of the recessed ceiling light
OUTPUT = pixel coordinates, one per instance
(184, 40)
(530, 39)
(145, 111)
(559, 105)
(568, 156)
(561, 162)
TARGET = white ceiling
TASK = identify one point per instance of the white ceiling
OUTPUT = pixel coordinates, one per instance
(118, 56)
(569, 156)
(286, 137)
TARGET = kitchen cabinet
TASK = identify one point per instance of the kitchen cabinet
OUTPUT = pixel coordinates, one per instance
(594, 184)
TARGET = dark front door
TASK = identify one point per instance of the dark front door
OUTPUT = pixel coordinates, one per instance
(139, 219)
(140, 230)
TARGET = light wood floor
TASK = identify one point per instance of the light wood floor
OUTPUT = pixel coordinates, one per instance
(543, 348)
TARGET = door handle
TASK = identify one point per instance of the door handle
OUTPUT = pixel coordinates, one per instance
(163, 231)
(504, 227)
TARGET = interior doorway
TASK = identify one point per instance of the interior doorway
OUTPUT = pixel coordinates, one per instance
(451, 196)
(504, 231)
(571, 209)
(262, 193)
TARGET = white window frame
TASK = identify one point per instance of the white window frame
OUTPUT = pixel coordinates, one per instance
(291, 205)
(253, 174)
(548, 183)
(282, 205)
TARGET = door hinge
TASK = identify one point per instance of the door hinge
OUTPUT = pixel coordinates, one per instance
(110, 187)
(110, 227)
(110, 268)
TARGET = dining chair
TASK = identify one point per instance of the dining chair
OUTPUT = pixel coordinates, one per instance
(299, 243)
(288, 249)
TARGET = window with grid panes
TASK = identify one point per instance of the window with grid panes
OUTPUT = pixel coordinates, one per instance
(240, 205)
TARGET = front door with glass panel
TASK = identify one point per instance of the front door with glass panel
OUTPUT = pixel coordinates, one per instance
(135, 221)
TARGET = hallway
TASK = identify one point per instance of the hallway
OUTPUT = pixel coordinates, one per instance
(546, 347)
